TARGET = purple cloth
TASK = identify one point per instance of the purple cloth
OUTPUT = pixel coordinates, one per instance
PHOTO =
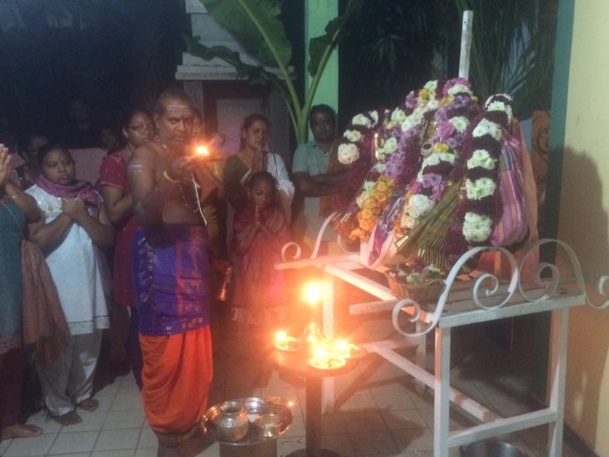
(171, 274)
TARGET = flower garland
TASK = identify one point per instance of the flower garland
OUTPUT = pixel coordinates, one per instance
(441, 152)
(354, 150)
(478, 206)
(396, 163)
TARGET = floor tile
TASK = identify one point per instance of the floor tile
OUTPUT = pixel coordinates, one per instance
(74, 442)
(287, 445)
(413, 439)
(116, 420)
(333, 424)
(124, 453)
(110, 440)
(393, 400)
(364, 422)
(339, 443)
(4, 445)
(147, 439)
(357, 402)
(375, 442)
(28, 447)
(397, 419)
(127, 401)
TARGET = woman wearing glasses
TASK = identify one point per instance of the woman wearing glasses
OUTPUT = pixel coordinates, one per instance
(137, 129)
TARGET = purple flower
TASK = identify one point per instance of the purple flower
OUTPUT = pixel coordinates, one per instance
(431, 179)
(411, 100)
(452, 143)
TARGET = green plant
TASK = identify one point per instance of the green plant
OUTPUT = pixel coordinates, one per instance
(257, 23)
(512, 50)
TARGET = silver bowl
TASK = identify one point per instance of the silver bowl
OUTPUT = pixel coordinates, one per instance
(268, 425)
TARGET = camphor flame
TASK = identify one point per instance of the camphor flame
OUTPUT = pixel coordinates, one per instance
(313, 293)
(201, 150)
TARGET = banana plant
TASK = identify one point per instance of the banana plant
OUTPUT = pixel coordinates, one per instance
(257, 24)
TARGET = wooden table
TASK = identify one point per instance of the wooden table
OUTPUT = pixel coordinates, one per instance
(461, 304)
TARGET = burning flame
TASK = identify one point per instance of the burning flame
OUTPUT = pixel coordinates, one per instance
(313, 293)
(202, 150)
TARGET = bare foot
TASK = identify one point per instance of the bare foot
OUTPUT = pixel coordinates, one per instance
(21, 431)
(90, 404)
(70, 418)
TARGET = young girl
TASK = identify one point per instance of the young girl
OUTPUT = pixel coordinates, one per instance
(74, 227)
(260, 231)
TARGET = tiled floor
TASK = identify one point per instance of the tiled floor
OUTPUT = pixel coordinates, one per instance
(379, 411)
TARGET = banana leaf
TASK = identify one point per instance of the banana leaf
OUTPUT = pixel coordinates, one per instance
(259, 23)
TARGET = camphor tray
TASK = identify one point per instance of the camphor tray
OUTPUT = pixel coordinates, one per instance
(255, 407)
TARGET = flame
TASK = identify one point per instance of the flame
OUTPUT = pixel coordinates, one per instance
(313, 293)
(202, 150)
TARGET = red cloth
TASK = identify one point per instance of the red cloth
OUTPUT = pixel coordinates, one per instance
(258, 285)
(176, 379)
(113, 173)
(45, 331)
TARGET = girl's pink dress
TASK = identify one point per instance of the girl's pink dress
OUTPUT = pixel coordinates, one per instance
(258, 297)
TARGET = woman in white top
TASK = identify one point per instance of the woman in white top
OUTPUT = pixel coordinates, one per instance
(74, 228)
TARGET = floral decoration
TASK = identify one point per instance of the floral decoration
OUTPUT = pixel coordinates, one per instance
(478, 206)
(397, 156)
(441, 151)
(416, 272)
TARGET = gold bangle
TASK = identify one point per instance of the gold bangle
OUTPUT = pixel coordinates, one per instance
(169, 178)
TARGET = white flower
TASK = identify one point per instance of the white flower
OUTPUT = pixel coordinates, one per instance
(389, 147)
(432, 105)
(413, 278)
(398, 115)
(460, 123)
(407, 221)
(477, 228)
(353, 135)
(419, 206)
(437, 157)
(459, 89)
(369, 186)
(374, 115)
(360, 119)
(413, 120)
(481, 158)
(486, 127)
(479, 188)
(380, 167)
(500, 106)
(348, 153)
(431, 87)
(361, 199)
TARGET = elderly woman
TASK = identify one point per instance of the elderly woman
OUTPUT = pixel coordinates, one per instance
(16, 210)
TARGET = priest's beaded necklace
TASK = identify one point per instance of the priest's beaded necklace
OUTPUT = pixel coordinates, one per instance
(195, 187)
